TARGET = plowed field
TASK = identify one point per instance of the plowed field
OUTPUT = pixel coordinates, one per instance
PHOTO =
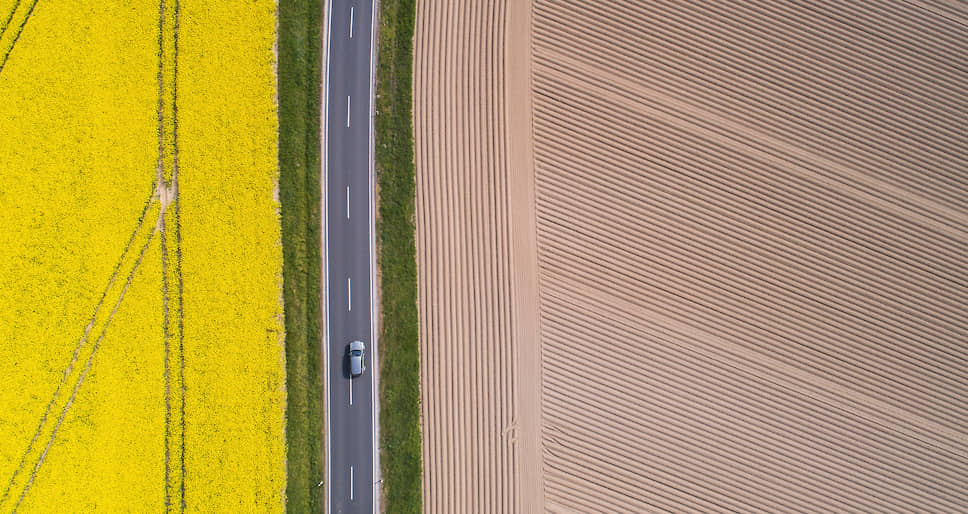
(462, 246)
(740, 283)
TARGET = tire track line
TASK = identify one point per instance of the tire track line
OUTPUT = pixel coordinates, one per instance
(775, 95)
(778, 180)
(9, 48)
(87, 368)
(689, 64)
(580, 192)
(92, 321)
(162, 186)
(174, 367)
(6, 21)
(178, 264)
(631, 331)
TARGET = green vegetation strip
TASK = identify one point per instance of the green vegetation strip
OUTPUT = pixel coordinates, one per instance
(298, 68)
(399, 359)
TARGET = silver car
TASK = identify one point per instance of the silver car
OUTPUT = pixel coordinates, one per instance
(357, 362)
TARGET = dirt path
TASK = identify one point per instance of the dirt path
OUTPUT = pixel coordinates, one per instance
(524, 254)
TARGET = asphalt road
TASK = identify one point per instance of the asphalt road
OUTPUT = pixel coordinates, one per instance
(348, 237)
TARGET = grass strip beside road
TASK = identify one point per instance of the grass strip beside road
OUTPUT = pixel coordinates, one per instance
(399, 350)
(299, 194)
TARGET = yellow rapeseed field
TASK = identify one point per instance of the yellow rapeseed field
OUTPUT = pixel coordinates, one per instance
(141, 345)
(232, 256)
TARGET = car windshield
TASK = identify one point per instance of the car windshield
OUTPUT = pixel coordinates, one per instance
(356, 353)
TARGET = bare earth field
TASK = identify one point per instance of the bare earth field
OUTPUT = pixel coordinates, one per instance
(467, 375)
(693, 258)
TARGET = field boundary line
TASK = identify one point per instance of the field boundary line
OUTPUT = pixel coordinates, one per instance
(523, 249)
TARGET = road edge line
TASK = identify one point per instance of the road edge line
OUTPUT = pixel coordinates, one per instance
(324, 224)
(374, 301)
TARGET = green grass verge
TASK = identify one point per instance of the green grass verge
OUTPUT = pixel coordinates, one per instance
(298, 71)
(399, 359)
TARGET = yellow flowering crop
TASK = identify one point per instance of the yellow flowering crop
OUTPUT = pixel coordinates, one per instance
(141, 346)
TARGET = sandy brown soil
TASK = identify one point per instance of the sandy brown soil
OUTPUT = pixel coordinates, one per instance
(727, 272)
(463, 260)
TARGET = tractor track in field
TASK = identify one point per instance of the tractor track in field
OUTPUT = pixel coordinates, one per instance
(20, 28)
(693, 257)
(78, 347)
(87, 368)
(9, 18)
(764, 207)
(173, 319)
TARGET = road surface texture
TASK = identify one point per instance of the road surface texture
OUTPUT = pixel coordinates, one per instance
(351, 407)
(693, 257)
